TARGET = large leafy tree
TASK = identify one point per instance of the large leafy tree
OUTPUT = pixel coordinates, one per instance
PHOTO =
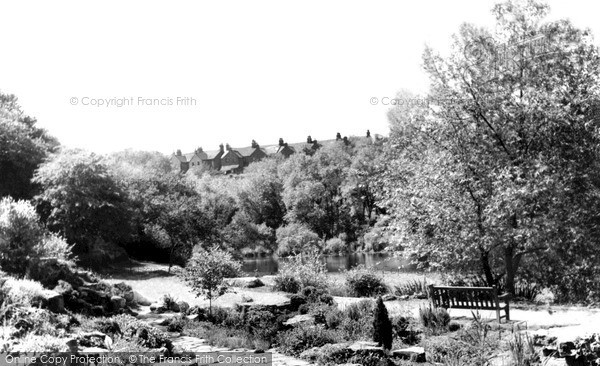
(81, 200)
(23, 146)
(500, 171)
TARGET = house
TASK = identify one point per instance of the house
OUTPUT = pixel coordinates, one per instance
(230, 160)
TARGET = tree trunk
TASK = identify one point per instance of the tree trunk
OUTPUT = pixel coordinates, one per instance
(171, 258)
(511, 263)
(485, 267)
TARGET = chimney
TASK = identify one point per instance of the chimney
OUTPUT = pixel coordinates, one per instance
(227, 147)
(309, 140)
(178, 152)
(254, 144)
(199, 150)
(221, 147)
(280, 141)
(368, 133)
(346, 142)
(338, 136)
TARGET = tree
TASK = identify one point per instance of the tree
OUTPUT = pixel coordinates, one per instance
(500, 166)
(81, 200)
(294, 239)
(206, 270)
(382, 326)
(23, 146)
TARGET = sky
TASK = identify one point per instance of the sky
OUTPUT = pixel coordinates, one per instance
(165, 75)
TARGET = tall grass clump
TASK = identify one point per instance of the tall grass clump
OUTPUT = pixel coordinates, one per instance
(412, 287)
(435, 319)
(301, 271)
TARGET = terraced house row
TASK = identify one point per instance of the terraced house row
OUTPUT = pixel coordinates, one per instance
(230, 160)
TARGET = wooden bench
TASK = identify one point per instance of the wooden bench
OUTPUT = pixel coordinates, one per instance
(480, 298)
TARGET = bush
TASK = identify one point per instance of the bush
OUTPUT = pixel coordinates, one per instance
(364, 282)
(262, 324)
(296, 301)
(177, 324)
(329, 354)
(375, 241)
(335, 246)
(433, 318)
(357, 323)
(403, 330)
(317, 295)
(23, 293)
(301, 271)
(295, 239)
(302, 337)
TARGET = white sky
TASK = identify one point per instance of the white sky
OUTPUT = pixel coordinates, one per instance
(257, 69)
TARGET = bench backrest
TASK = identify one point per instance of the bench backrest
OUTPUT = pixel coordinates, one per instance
(465, 297)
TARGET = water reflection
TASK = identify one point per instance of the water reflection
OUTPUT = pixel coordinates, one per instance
(379, 261)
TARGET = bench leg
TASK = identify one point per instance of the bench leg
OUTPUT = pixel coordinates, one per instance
(507, 310)
(498, 315)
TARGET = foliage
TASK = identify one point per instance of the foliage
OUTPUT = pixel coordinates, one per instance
(329, 354)
(522, 350)
(206, 270)
(23, 147)
(301, 271)
(335, 246)
(294, 239)
(434, 319)
(412, 287)
(382, 326)
(22, 293)
(81, 200)
(404, 330)
(499, 171)
(364, 282)
(302, 337)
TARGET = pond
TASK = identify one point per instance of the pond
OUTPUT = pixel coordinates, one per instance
(334, 263)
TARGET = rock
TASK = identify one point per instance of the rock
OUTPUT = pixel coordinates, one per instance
(364, 347)
(296, 300)
(117, 302)
(140, 299)
(245, 282)
(183, 306)
(54, 301)
(415, 354)
(300, 319)
(192, 317)
(129, 297)
(63, 287)
(93, 350)
(403, 297)
(565, 347)
(173, 306)
(549, 351)
(72, 344)
(246, 298)
(388, 297)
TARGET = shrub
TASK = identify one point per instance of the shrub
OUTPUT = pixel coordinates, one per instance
(302, 337)
(317, 295)
(23, 292)
(297, 300)
(303, 309)
(375, 241)
(433, 318)
(295, 239)
(382, 326)
(364, 282)
(335, 246)
(177, 324)
(20, 232)
(262, 324)
(169, 301)
(301, 271)
(329, 354)
(403, 330)
(41, 343)
(358, 321)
